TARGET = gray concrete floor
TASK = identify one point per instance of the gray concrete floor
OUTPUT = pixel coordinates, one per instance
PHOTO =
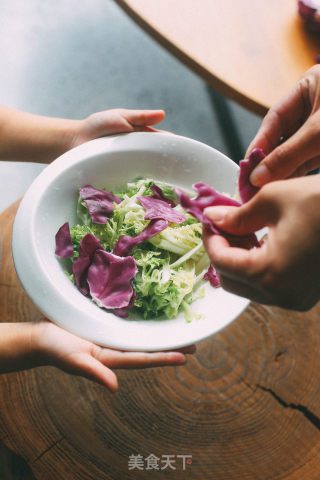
(69, 58)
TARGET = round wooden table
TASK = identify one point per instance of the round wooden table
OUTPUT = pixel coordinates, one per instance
(251, 51)
(246, 406)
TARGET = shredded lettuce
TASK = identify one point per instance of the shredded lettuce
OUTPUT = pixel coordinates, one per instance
(180, 239)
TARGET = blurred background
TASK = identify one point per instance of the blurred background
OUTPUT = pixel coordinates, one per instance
(69, 59)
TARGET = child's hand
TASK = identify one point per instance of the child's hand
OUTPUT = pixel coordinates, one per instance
(110, 122)
(57, 347)
(285, 270)
(35, 138)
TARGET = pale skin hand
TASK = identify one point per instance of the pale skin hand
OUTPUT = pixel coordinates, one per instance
(32, 344)
(119, 120)
(27, 137)
(285, 270)
(290, 133)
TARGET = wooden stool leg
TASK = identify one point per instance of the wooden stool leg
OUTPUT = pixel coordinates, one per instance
(227, 124)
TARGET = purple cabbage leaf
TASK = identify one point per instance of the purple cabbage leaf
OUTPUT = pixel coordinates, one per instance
(100, 203)
(212, 276)
(123, 312)
(126, 243)
(64, 248)
(246, 189)
(208, 197)
(87, 248)
(109, 279)
(158, 209)
(309, 12)
(158, 193)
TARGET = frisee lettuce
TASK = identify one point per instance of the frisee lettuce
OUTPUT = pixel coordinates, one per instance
(170, 265)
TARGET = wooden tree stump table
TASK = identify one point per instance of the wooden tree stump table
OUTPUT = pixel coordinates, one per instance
(246, 405)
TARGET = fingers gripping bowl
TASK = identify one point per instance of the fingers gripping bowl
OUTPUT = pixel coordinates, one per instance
(51, 201)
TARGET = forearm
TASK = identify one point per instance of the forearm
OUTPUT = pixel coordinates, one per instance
(18, 346)
(34, 138)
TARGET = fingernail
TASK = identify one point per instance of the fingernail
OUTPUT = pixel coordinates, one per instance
(216, 214)
(176, 358)
(260, 176)
(182, 360)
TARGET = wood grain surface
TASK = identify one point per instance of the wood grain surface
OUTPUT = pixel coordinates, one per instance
(252, 51)
(246, 406)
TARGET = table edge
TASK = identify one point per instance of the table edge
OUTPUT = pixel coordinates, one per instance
(212, 80)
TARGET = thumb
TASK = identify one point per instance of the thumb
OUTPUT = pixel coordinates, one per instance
(243, 220)
(141, 118)
(302, 148)
(89, 367)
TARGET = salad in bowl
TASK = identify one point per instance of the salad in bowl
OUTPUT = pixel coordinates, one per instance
(123, 208)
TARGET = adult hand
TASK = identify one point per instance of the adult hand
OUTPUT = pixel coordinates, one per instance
(57, 347)
(290, 133)
(285, 270)
(114, 121)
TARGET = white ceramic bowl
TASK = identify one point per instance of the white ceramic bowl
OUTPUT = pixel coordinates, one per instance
(51, 201)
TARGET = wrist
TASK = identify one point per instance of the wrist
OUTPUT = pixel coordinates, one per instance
(35, 138)
(70, 134)
(18, 346)
(40, 342)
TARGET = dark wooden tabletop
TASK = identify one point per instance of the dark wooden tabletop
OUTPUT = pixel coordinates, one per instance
(246, 406)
